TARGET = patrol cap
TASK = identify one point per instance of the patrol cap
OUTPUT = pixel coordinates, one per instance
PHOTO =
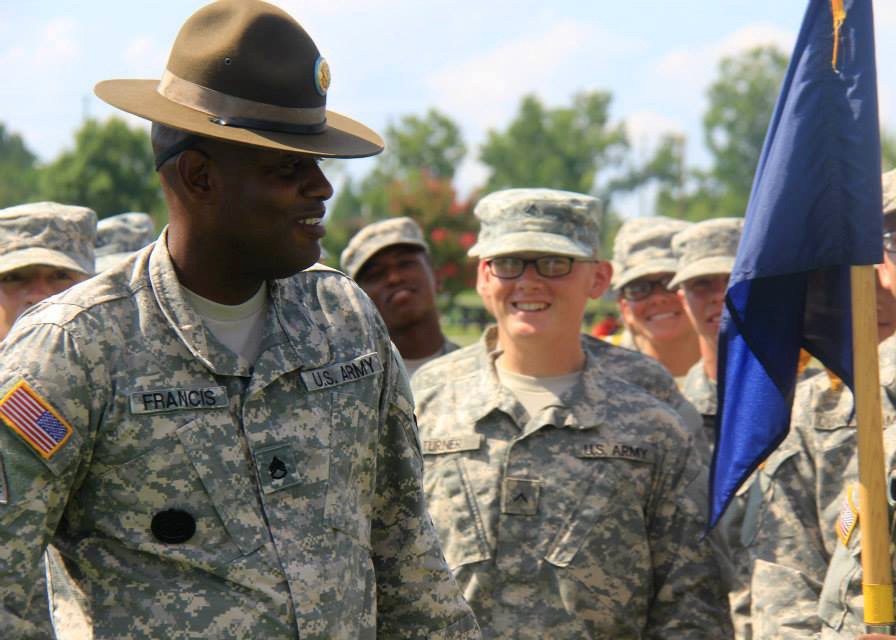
(888, 181)
(706, 248)
(47, 233)
(118, 237)
(537, 220)
(377, 236)
(644, 246)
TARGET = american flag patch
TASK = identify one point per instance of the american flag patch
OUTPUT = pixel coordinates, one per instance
(31, 417)
(849, 515)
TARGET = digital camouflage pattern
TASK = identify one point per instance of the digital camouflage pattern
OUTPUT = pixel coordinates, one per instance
(888, 181)
(643, 246)
(47, 233)
(575, 523)
(375, 237)
(706, 248)
(799, 496)
(201, 496)
(546, 221)
(700, 391)
(117, 237)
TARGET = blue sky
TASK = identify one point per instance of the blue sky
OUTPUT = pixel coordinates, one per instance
(472, 60)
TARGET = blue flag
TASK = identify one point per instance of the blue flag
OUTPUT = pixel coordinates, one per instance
(814, 210)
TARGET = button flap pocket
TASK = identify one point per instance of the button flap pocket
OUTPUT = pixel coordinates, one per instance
(216, 453)
(591, 509)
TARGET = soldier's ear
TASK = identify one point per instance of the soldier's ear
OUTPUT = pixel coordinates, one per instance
(193, 170)
(601, 275)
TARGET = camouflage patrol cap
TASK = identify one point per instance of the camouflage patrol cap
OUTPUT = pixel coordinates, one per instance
(47, 233)
(889, 189)
(118, 237)
(644, 246)
(537, 220)
(706, 248)
(377, 236)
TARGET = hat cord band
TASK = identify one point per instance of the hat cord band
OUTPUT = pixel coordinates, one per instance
(233, 111)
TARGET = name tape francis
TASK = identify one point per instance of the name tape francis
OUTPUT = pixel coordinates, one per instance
(176, 399)
(342, 372)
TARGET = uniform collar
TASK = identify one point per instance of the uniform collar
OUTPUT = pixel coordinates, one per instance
(584, 404)
(290, 340)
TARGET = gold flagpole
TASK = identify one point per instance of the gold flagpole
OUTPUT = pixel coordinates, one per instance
(877, 574)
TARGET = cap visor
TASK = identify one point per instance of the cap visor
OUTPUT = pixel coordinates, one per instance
(647, 269)
(530, 242)
(705, 267)
(34, 256)
(343, 137)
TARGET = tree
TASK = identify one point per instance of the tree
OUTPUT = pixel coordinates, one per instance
(888, 150)
(560, 148)
(433, 143)
(18, 170)
(741, 101)
(109, 170)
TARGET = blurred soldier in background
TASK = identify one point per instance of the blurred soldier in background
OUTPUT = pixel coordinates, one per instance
(391, 261)
(805, 543)
(119, 237)
(705, 256)
(655, 322)
(564, 497)
(45, 248)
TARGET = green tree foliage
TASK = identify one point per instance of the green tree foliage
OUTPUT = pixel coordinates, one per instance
(109, 170)
(559, 148)
(741, 101)
(888, 150)
(413, 177)
(18, 170)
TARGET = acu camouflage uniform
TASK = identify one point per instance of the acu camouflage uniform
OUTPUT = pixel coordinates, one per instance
(799, 497)
(197, 495)
(575, 523)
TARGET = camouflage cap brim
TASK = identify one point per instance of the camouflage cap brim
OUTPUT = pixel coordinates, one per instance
(371, 249)
(33, 256)
(705, 267)
(622, 278)
(530, 242)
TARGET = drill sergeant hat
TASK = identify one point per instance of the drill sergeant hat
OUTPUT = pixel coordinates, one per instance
(706, 248)
(47, 233)
(544, 221)
(245, 71)
(377, 236)
(119, 237)
(644, 246)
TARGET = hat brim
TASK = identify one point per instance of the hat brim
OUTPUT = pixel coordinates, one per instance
(34, 256)
(375, 248)
(530, 242)
(704, 267)
(343, 137)
(647, 269)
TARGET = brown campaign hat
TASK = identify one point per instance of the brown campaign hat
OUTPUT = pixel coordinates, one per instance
(245, 71)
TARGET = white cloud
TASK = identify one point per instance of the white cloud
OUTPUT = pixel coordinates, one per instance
(145, 56)
(646, 126)
(58, 43)
(692, 68)
(484, 89)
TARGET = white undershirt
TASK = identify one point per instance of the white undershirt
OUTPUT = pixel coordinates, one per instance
(239, 327)
(536, 393)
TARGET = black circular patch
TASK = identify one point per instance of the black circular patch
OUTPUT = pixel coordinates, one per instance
(173, 526)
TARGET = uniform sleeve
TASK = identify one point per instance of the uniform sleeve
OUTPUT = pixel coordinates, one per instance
(689, 601)
(417, 596)
(789, 556)
(45, 411)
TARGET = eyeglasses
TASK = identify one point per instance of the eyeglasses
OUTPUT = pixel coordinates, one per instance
(643, 288)
(511, 267)
(890, 241)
